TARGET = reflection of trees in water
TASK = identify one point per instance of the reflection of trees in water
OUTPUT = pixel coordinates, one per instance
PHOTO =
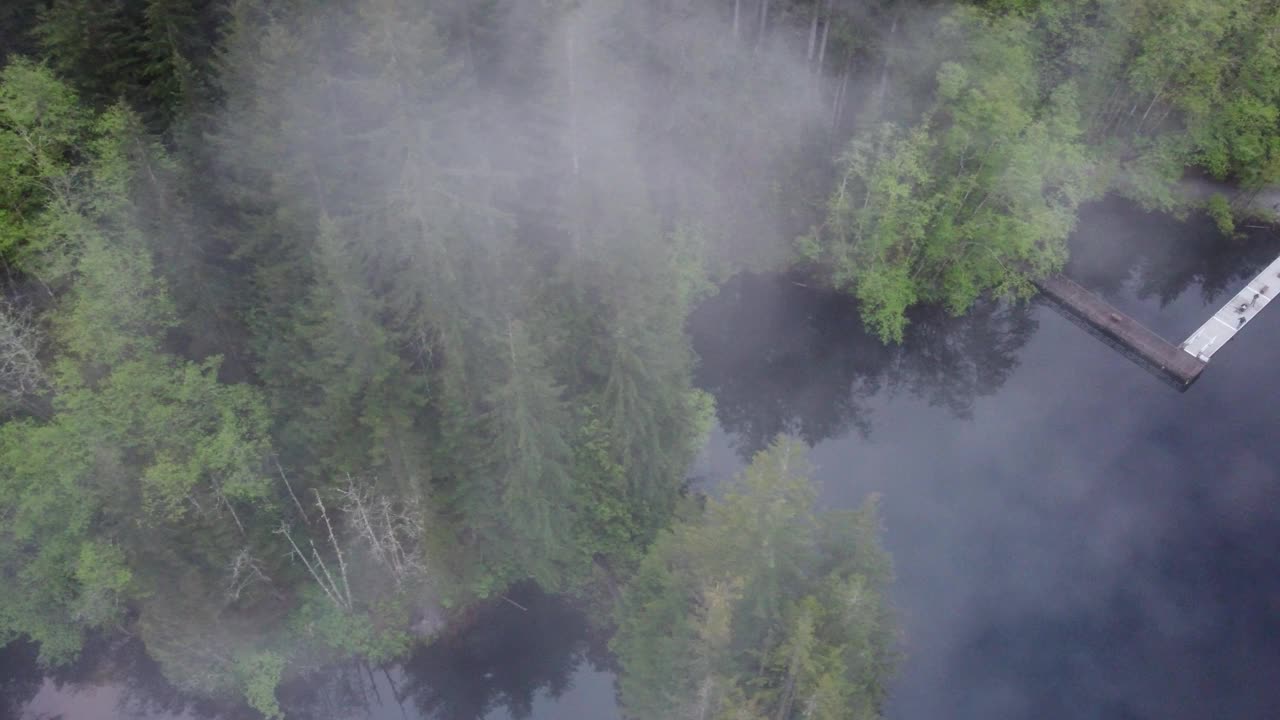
(503, 659)
(122, 665)
(144, 691)
(781, 357)
(20, 678)
(347, 690)
(1117, 243)
(950, 361)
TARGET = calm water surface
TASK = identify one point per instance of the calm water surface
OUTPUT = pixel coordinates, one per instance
(1073, 538)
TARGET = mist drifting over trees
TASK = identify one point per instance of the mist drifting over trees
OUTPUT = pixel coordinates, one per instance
(325, 322)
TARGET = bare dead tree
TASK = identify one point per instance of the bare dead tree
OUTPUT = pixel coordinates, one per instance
(245, 571)
(389, 531)
(289, 486)
(338, 592)
(231, 508)
(762, 27)
(571, 55)
(21, 373)
(820, 61)
(337, 549)
(813, 31)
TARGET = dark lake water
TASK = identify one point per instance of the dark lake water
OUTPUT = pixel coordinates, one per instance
(1072, 537)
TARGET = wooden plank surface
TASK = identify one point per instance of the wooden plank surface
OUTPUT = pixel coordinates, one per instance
(1183, 367)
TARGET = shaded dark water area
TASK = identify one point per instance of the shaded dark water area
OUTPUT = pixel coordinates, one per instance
(1073, 539)
(530, 658)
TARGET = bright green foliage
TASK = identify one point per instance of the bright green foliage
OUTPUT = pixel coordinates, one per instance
(143, 453)
(978, 197)
(104, 580)
(1220, 210)
(1037, 107)
(1236, 130)
(1172, 84)
(760, 608)
(260, 673)
(41, 123)
(375, 633)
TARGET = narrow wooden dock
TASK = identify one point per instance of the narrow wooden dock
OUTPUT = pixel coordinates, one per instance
(1139, 342)
(1233, 316)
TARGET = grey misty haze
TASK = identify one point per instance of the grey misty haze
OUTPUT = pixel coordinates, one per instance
(1071, 538)
(627, 107)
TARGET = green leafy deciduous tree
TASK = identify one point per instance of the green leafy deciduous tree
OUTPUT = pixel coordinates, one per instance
(979, 196)
(759, 607)
(1167, 85)
(42, 129)
(144, 454)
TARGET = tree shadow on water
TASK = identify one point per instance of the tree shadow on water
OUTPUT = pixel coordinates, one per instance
(500, 659)
(1118, 244)
(20, 677)
(504, 658)
(131, 681)
(781, 357)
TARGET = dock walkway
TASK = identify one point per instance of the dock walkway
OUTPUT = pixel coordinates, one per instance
(1233, 316)
(1181, 366)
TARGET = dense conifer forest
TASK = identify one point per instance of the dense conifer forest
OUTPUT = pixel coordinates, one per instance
(324, 322)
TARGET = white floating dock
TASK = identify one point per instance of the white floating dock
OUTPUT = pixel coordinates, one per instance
(1233, 316)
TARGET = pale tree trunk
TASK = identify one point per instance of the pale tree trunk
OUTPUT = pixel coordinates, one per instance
(704, 699)
(570, 52)
(826, 31)
(245, 571)
(764, 22)
(883, 89)
(317, 569)
(301, 513)
(333, 540)
(813, 31)
(1154, 99)
(837, 111)
(737, 17)
(385, 531)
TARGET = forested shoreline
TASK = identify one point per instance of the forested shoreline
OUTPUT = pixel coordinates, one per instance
(324, 322)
